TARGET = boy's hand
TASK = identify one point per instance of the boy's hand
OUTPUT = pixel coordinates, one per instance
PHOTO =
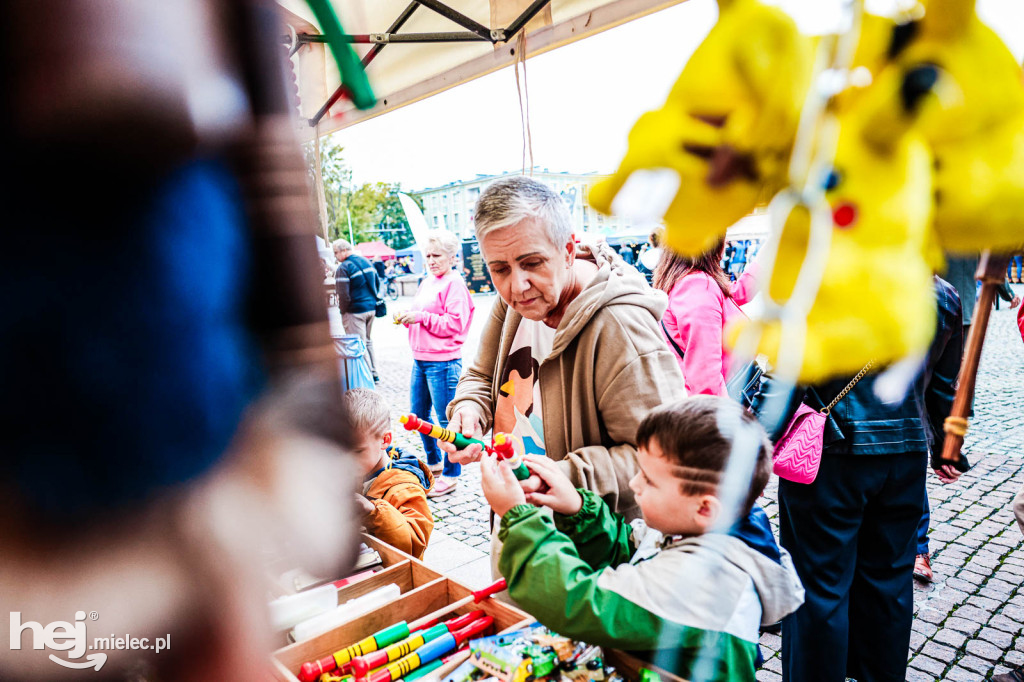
(560, 495)
(500, 485)
(364, 505)
(468, 424)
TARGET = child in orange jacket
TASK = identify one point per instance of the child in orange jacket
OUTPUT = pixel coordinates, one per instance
(395, 486)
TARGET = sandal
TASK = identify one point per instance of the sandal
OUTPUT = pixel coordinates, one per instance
(443, 486)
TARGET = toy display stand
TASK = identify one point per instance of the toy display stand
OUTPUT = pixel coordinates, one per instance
(423, 591)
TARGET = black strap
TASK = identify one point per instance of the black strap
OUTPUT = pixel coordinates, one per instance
(675, 345)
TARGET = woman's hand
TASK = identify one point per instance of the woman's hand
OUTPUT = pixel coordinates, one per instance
(408, 317)
(469, 425)
(557, 492)
(500, 485)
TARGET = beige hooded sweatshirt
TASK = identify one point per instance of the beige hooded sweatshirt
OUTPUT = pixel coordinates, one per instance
(608, 368)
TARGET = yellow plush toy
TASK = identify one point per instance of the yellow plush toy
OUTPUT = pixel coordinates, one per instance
(721, 142)
(977, 131)
(875, 301)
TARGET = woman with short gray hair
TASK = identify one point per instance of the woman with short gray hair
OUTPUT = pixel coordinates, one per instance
(438, 323)
(572, 357)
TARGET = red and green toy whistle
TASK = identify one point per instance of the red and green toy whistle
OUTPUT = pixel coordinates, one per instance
(362, 665)
(502, 446)
(431, 650)
(342, 659)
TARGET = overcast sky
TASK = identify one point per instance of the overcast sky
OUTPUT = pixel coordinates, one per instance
(583, 99)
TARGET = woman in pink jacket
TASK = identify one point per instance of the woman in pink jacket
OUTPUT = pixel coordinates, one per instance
(701, 304)
(438, 324)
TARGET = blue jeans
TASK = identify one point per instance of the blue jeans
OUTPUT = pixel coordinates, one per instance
(1014, 260)
(433, 385)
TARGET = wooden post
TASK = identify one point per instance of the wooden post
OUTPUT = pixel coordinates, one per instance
(991, 272)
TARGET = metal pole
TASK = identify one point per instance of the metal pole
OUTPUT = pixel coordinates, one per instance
(402, 18)
(348, 213)
(523, 18)
(457, 17)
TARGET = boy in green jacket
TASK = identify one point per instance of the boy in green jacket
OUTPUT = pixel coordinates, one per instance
(669, 586)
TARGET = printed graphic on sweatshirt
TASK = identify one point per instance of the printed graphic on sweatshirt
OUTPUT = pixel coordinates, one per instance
(518, 411)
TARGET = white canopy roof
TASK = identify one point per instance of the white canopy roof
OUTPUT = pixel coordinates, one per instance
(404, 72)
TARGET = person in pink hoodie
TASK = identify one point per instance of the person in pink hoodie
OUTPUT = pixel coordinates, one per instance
(701, 304)
(438, 324)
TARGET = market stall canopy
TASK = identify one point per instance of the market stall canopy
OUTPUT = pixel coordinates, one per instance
(372, 249)
(416, 49)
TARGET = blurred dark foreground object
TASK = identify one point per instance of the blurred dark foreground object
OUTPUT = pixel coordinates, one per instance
(169, 395)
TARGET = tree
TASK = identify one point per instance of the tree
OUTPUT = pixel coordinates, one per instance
(373, 208)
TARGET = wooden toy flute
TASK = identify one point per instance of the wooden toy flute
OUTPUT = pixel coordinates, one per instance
(502, 446)
(341, 660)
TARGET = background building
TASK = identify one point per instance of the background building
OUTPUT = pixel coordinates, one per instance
(451, 206)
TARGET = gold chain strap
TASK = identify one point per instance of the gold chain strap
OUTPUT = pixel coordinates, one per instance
(849, 387)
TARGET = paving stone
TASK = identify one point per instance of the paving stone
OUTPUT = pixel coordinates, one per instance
(1003, 640)
(972, 613)
(976, 664)
(938, 651)
(951, 637)
(928, 665)
(768, 676)
(984, 603)
(983, 649)
(974, 579)
(1005, 624)
(914, 675)
(961, 585)
(929, 615)
(962, 625)
(960, 674)
(926, 629)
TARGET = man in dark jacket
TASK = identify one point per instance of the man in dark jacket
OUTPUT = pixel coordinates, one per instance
(356, 283)
(852, 533)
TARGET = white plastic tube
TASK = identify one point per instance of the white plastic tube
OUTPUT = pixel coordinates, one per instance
(344, 613)
(288, 611)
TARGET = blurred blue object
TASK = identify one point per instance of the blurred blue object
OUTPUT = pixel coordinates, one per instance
(353, 364)
(125, 362)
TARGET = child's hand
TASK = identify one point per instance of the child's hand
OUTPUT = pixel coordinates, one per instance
(561, 495)
(364, 505)
(500, 485)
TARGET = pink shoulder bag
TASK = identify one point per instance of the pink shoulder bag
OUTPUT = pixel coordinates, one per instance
(798, 451)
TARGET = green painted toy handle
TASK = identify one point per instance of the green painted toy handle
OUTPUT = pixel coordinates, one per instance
(353, 77)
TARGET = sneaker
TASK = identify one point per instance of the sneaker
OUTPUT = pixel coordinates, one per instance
(376, 378)
(436, 468)
(923, 569)
(443, 486)
(1015, 675)
(773, 628)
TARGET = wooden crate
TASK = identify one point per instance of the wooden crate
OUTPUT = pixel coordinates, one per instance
(423, 591)
(414, 604)
(399, 568)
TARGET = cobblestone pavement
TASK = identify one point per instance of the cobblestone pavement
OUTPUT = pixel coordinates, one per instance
(967, 624)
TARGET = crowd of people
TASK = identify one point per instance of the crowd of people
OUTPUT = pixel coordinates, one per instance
(615, 395)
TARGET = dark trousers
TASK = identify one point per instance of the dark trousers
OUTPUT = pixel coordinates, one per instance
(923, 524)
(852, 535)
